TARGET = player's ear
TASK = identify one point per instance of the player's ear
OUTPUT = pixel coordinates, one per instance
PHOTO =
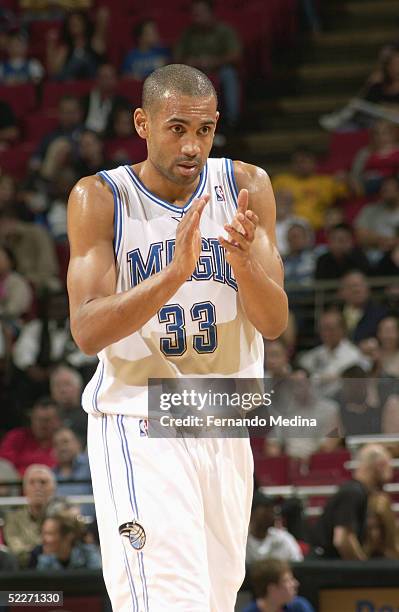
(141, 122)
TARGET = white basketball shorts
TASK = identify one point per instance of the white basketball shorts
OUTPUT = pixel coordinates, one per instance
(189, 501)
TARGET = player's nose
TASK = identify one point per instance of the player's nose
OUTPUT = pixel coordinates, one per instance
(190, 148)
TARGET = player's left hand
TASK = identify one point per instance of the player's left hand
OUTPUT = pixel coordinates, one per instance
(241, 233)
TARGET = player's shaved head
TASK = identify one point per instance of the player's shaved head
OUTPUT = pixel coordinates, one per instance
(175, 79)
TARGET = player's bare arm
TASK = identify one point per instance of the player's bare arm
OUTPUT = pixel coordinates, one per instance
(252, 253)
(100, 317)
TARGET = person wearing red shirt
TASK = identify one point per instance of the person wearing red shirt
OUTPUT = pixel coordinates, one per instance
(23, 446)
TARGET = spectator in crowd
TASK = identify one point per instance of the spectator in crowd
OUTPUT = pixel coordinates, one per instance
(14, 198)
(275, 588)
(341, 255)
(360, 312)
(284, 218)
(380, 384)
(299, 263)
(56, 146)
(382, 87)
(23, 446)
(148, 54)
(388, 338)
(327, 361)
(388, 265)
(213, 47)
(18, 68)
(377, 225)
(380, 159)
(357, 416)
(9, 479)
(15, 291)
(123, 145)
(43, 342)
(22, 527)
(9, 131)
(66, 386)
(90, 157)
(277, 361)
(62, 547)
(57, 210)
(101, 103)
(72, 465)
(32, 249)
(313, 193)
(8, 561)
(304, 401)
(82, 46)
(390, 416)
(265, 540)
(386, 90)
(8, 191)
(340, 531)
(382, 536)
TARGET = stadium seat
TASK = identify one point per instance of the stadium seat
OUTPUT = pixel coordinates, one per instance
(342, 149)
(53, 91)
(38, 124)
(14, 160)
(323, 469)
(272, 471)
(21, 98)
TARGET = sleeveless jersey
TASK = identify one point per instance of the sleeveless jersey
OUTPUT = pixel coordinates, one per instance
(202, 330)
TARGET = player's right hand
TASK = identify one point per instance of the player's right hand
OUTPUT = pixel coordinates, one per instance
(188, 239)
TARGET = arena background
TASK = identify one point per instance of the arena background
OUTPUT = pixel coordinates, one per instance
(317, 88)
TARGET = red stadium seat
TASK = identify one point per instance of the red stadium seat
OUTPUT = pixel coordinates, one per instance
(53, 91)
(323, 469)
(38, 32)
(272, 471)
(14, 161)
(39, 124)
(130, 89)
(343, 148)
(21, 98)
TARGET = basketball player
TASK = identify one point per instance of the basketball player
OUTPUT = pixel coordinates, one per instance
(173, 272)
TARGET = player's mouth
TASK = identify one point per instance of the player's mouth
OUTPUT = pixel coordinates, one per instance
(188, 169)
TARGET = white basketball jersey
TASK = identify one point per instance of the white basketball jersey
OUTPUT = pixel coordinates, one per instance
(202, 330)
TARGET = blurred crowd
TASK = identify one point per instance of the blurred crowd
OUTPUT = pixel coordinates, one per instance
(337, 231)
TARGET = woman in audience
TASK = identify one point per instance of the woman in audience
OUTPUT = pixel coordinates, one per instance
(378, 160)
(81, 48)
(62, 546)
(388, 337)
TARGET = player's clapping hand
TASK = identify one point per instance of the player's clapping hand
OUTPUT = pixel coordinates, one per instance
(241, 233)
(188, 239)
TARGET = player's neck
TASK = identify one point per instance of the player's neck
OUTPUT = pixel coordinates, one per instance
(162, 187)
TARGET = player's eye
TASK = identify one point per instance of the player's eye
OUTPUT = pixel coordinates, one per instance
(177, 129)
(205, 130)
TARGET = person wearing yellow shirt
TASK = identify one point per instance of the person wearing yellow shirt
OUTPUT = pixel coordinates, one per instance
(313, 193)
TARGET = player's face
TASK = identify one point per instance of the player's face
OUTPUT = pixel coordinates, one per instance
(180, 136)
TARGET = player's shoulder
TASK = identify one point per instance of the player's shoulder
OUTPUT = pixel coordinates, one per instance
(249, 175)
(90, 207)
(91, 193)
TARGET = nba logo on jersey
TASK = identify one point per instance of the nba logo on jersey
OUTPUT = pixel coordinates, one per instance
(143, 426)
(219, 193)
